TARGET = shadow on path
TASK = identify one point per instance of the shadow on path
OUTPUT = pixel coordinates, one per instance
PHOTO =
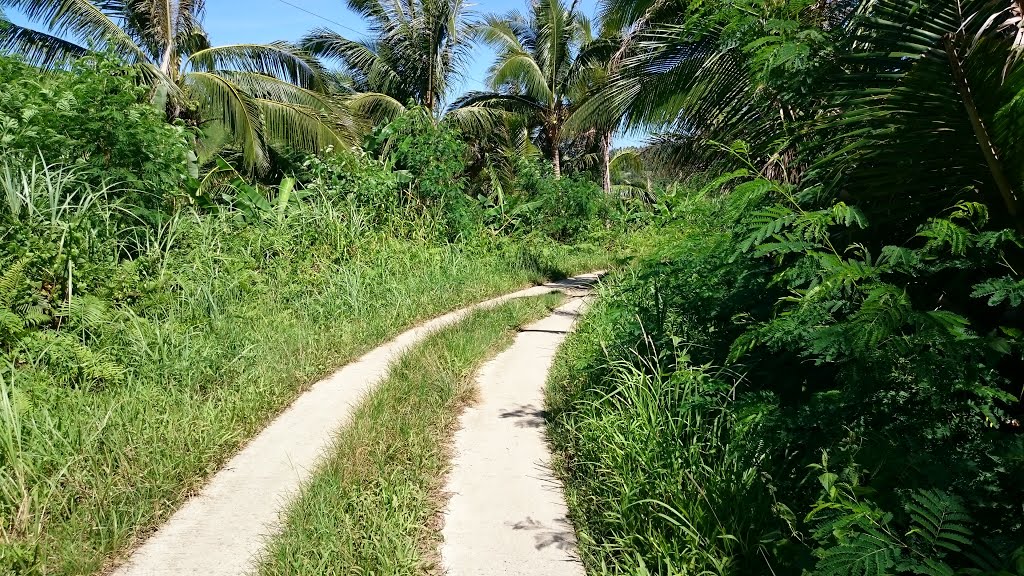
(560, 536)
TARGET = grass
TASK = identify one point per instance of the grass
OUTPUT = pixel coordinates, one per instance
(244, 322)
(372, 508)
(653, 481)
(136, 357)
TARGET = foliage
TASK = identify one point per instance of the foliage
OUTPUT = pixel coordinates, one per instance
(130, 388)
(433, 156)
(417, 49)
(260, 95)
(815, 343)
(566, 209)
(96, 118)
(856, 288)
(547, 61)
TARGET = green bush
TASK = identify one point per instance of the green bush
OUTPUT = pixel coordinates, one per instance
(792, 341)
(431, 157)
(565, 210)
(97, 118)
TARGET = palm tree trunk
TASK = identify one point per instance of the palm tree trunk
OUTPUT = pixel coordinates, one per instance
(556, 157)
(606, 152)
(995, 166)
(165, 60)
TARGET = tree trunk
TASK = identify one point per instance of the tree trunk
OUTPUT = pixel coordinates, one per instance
(606, 152)
(995, 166)
(557, 159)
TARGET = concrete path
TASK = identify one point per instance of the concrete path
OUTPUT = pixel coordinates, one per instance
(507, 513)
(221, 531)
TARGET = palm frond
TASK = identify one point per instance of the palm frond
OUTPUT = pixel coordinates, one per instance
(225, 102)
(278, 59)
(476, 121)
(378, 108)
(301, 127)
(522, 70)
(81, 21)
(38, 48)
(921, 111)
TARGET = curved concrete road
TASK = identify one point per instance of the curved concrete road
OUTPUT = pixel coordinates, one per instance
(507, 512)
(221, 531)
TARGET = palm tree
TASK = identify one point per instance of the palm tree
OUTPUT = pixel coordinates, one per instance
(904, 108)
(261, 93)
(416, 51)
(546, 64)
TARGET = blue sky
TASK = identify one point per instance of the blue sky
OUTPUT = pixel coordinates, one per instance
(237, 21)
(230, 21)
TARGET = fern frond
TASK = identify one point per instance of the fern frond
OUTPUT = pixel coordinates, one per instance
(766, 223)
(939, 521)
(85, 312)
(945, 234)
(1000, 290)
(10, 280)
(870, 553)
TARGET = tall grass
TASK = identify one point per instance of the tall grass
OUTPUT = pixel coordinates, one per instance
(198, 329)
(654, 479)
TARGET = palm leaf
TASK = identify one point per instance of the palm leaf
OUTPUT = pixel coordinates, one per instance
(300, 127)
(38, 48)
(277, 59)
(376, 107)
(225, 102)
(81, 21)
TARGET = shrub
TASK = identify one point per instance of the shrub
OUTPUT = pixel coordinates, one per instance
(97, 118)
(432, 158)
(801, 342)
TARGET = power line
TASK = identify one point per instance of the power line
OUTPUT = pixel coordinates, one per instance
(324, 18)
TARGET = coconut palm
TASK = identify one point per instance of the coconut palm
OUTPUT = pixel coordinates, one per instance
(417, 49)
(547, 62)
(261, 93)
(904, 108)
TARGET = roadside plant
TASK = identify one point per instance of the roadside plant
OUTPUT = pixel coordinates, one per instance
(261, 94)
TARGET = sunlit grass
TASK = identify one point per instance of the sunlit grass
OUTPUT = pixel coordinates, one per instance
(213, 359)
(373, 507)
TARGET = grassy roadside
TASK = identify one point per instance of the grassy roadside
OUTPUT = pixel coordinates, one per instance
(370, 509)
(89, 468)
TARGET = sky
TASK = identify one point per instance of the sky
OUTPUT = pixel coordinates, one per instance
(257, 21)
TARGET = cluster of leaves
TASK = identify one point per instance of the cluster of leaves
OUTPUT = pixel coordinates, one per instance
(60, 256)
(862, 289)
(432, 158)
(566, 209)
(898, 360)
(95, 117)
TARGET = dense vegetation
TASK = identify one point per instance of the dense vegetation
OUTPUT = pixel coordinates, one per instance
(813, 368)
(817, 370)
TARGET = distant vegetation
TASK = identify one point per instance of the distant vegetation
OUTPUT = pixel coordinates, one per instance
(811, 367)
